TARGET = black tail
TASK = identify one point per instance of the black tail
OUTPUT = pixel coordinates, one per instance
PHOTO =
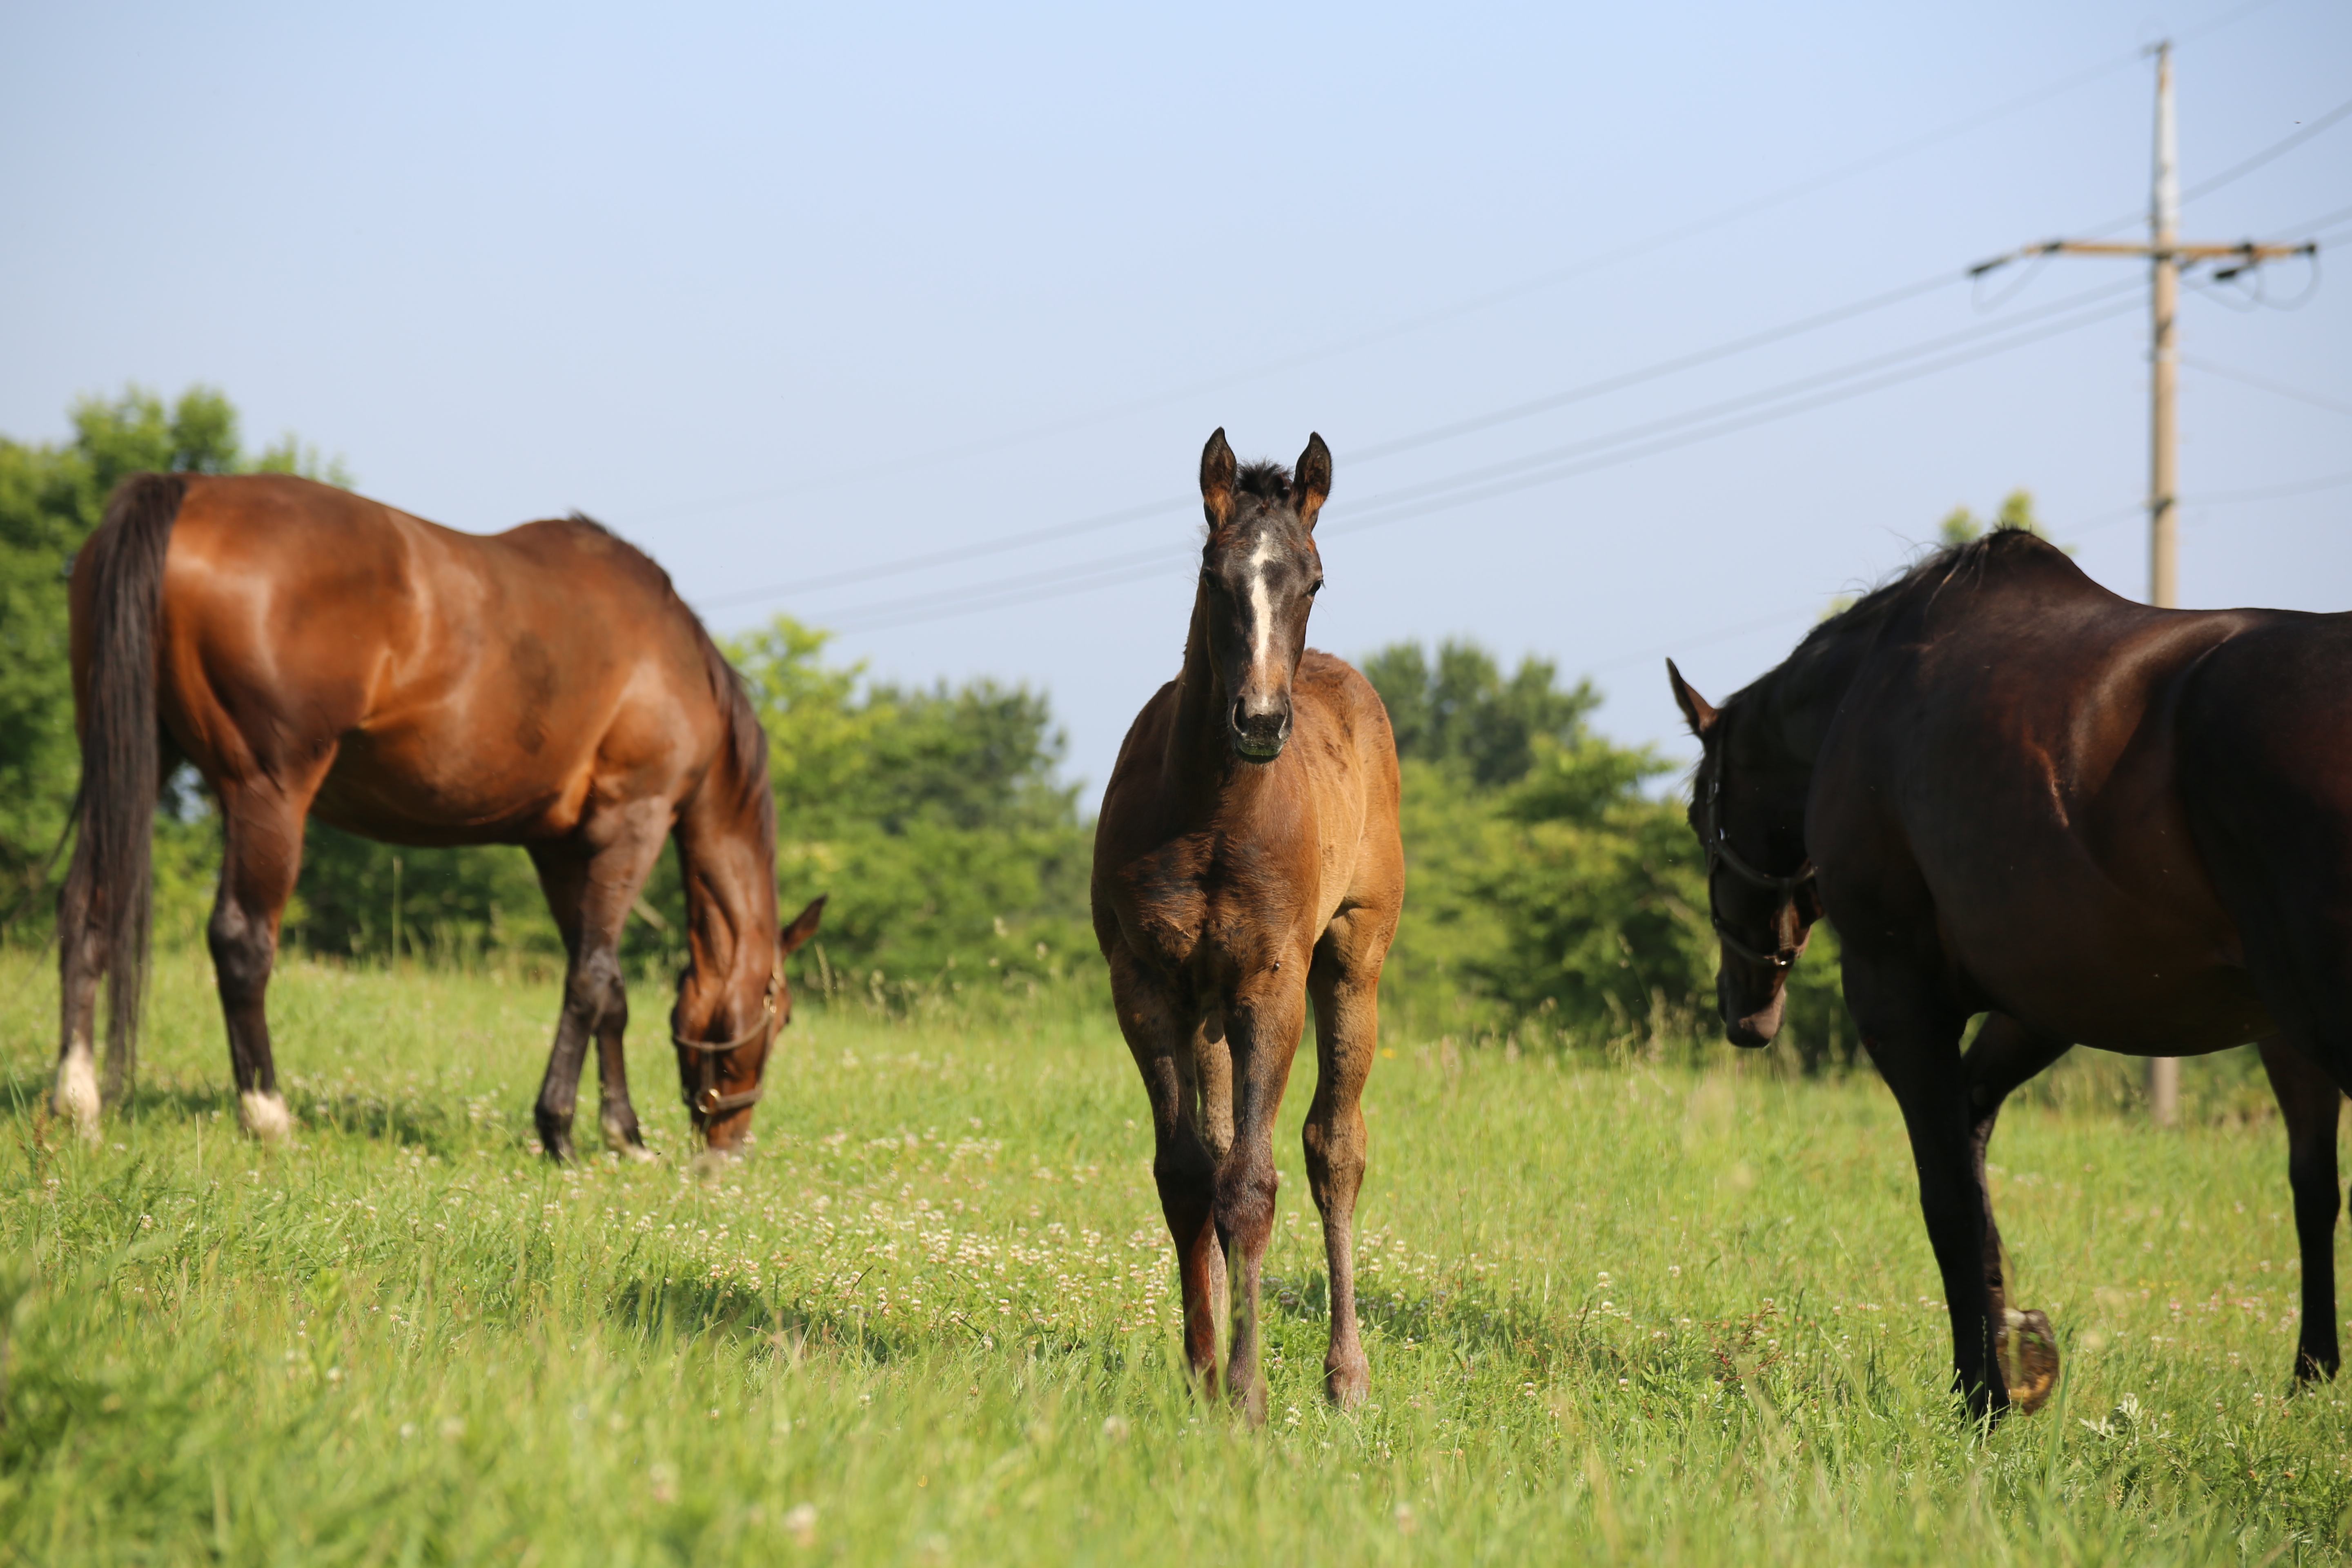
(112, 881)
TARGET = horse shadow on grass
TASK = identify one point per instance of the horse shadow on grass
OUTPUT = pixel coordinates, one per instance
(433, 1128)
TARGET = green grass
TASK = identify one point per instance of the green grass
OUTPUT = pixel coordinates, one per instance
(1613, 1312)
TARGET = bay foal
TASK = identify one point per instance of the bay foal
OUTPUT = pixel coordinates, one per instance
(1247, 856)
(315, 653)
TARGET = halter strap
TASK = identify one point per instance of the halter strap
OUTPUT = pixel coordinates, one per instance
(709, 1101)
(1721, 855)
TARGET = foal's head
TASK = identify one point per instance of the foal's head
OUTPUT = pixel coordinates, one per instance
(1259, 576)
(1748, 809)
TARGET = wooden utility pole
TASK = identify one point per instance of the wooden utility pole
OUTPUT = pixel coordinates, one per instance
(2166, 256)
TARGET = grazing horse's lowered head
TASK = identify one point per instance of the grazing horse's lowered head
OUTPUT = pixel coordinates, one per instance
(1747, 807)
(1259, 576)
(721, 1079)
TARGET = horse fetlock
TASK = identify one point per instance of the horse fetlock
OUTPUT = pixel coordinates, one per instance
(77, 1097)
(1347, 1376)
(262, 1113)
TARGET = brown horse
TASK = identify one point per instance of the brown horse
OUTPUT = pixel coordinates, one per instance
(310, 651)
(1246, 857)
(2017, 793)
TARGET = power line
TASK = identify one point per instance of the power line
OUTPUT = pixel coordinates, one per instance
(1672, 234)
(1399, 506)
(2279, 388)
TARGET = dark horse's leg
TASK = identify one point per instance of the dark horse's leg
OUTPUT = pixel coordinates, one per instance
(1162, 1034)
(1262, 1030)
(2004, 1055)
(591, 879)
(1916, 1048)
(1345, 981)
(262, 820)
(2310, 1102)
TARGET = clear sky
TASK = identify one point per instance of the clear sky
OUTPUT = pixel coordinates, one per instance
(790, 295)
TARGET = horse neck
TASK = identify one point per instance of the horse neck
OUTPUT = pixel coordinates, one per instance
(1198, 764)
(727, 858)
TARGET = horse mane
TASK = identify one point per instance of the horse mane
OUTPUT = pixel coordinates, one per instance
(1267, 482)
(746, 743)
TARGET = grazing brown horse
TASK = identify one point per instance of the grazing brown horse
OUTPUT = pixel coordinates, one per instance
(2017, 793)
(310, 651)
(1246, 857)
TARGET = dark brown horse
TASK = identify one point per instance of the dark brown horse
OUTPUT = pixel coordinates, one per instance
(1247, 856)
(310, 651)
(2017, 793)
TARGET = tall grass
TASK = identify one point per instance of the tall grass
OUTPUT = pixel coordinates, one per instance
(1672, 1309)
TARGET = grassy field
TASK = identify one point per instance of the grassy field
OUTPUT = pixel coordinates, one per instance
(1629, 1310)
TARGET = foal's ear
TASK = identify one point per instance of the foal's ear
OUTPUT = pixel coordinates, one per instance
(1310, 480)
(1217, 473)
(803, 927)
(1698, 712)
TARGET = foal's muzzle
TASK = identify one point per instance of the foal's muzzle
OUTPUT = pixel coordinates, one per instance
(1259, 737)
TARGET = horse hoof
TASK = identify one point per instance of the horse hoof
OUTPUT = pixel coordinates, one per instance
(264, 1116)
(625, 1140)
(77, 1097)
(2028, 1349)
(1346, 1383)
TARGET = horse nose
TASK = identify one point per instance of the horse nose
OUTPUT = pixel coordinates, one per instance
(1259, 733)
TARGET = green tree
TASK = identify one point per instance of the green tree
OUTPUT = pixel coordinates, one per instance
(1546, 884)
(933, 817)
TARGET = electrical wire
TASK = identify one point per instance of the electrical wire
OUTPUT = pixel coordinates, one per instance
(1596, 261)
(1399, 506)
(2278, 388)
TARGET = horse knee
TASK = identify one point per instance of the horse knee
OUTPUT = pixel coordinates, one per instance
(243, 952)
(595, 993)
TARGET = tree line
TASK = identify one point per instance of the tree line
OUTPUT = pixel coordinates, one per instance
(1555, 893)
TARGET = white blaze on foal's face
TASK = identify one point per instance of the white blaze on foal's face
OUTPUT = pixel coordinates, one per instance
(1261, 609)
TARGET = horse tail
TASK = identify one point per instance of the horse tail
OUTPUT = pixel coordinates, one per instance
(110, 885)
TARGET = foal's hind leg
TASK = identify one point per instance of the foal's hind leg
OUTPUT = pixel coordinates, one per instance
(262, 855)
(2309, 1101)
(2005, 1055)
(1346, 985)
(591, 879)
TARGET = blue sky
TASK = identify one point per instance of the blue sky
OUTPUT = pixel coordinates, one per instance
(792, 297)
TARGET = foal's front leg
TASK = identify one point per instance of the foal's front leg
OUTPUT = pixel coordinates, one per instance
(2310, 1103)
(1160, 1034)
(1262, 1029)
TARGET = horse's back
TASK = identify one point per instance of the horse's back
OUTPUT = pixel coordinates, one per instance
(472, 685)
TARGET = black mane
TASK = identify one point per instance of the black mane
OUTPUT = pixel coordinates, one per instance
(1267, 482)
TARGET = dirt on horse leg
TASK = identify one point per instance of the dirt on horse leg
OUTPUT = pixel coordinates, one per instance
(2310, 1103)
(1347, 1032)
(2005, 1055)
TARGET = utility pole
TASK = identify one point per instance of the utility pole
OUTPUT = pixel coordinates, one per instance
(2166, 256)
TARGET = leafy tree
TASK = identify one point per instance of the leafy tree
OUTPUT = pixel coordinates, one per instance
(934, 817)
(1546, 886)
(1961, 525)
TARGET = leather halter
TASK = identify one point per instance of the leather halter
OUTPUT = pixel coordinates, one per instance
(709, 1102)
(1720, 856)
